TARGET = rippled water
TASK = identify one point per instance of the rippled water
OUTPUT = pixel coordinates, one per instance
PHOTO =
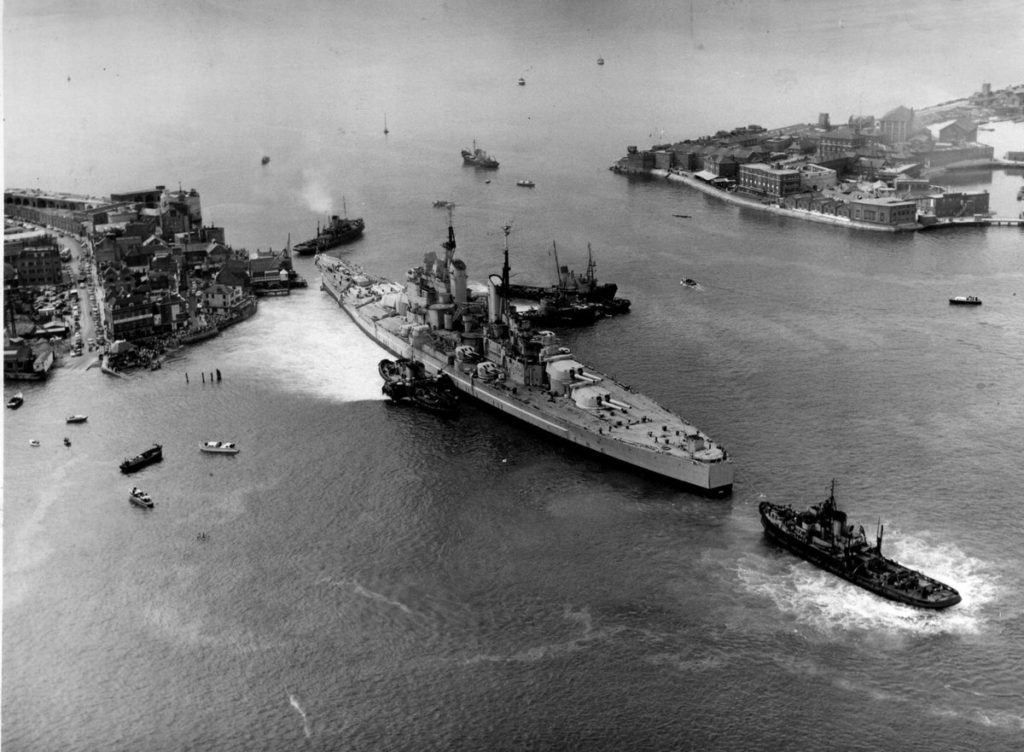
(373, 577)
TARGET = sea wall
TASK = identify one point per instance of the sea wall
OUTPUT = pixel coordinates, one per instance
(829, 219)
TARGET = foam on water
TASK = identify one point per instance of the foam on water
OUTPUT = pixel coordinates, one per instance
(824, 601)
(305, 719)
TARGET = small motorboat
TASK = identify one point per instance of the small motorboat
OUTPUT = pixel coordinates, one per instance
(76, 419)
(33, 442)
(140, 498)
(219, 447)
(965, 300)
(525, 183)
(16, 401)
(522, 82)
(67, 441)
(689, 282)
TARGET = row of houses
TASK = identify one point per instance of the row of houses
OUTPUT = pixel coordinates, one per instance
(162, 272)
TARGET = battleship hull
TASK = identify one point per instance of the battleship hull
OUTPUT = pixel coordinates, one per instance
(532, 405)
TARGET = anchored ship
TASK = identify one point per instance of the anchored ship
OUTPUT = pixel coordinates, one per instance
(821, 536)
(478, 157)
(523, 372)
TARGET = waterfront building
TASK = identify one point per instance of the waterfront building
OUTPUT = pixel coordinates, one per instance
(21, 362)
(171, 313)
(767, 180)
(129, 315)
(721, 162)
(892, 212)
(954, 204)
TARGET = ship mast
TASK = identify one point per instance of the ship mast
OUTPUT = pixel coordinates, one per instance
(505, 277)
(449, 252)
(558, 269)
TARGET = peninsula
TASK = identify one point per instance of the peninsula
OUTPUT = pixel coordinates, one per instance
(869, 173)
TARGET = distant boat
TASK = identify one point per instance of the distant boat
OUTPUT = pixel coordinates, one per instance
(67, 441)
(600, 61)
(265, 160)
(219, 447)
(33, 442)
(386, 131)
(16, 401)
(76, 419)
(525, 183)
(965, 300)
(154, 454)
(478, 157)
(522, 82)
(140, 498)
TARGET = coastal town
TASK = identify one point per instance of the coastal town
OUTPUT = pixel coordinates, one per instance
(871, 173)
(122, 280)
(128, 278)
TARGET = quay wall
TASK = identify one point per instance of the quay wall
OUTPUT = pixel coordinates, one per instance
(694, 182)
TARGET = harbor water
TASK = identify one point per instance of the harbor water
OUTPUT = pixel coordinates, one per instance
(365, 576)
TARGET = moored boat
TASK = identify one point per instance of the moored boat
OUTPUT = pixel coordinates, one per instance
(970, 300)
(822, 536)
(76, 419)
(518, 370)
(140, 498)
(478, 158)
(407, 380)
(154, 454)
(525, 183)
(219, 447)
(16, 401)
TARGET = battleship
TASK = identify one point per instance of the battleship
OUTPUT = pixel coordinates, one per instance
(821, 536)
(519, 370)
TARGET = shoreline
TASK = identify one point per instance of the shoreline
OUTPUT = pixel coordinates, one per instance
(689, 179)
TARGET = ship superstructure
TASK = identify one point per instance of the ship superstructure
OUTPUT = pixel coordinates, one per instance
(523, 372)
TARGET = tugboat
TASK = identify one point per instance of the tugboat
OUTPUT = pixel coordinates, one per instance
(338, 231)
(821, 536)
(478, 158)
(154, 454)
(406, 380)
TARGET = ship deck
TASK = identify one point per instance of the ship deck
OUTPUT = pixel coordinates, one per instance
(642, 423)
